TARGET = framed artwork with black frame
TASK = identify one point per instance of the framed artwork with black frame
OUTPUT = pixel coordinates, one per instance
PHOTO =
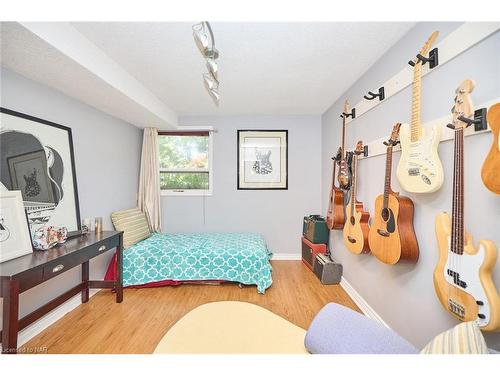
(262, 159)
(37, 158)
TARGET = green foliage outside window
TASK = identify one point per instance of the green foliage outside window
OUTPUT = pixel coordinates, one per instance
(184, 160)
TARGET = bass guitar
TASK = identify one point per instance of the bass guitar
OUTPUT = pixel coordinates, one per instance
(462, 277)
(419, 169)
(335, 217)
(392, 237)
(356, 227)
(490, 172)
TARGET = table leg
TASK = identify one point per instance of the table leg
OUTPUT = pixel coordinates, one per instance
(119, 271)
(10, 293)
(85, 280)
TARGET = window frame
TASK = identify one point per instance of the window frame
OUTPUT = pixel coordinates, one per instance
(191, 192)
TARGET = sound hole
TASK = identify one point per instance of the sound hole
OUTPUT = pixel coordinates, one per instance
(385, 214)
(353, 221)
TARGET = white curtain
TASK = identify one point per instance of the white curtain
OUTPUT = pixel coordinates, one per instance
(149, 179)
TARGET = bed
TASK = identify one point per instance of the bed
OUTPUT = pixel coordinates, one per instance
(171, 259)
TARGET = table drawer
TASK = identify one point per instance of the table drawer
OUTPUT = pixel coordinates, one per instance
(102, 246)
(59, 267)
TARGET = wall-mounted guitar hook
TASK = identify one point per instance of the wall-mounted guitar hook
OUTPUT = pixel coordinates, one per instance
(433, 59)
(391, 143)
(351, 115)
(365, 151)
(479, 120)
(380, 95)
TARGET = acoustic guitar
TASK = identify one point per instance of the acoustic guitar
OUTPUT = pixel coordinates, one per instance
(490, 172)
(344, 177)
(335, 217)
(356, 227)
(462, 277)
(419, 168)
(392, 238)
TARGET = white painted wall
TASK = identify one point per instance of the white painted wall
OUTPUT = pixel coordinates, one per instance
(403, 295)
(275, 214)
(107, 154)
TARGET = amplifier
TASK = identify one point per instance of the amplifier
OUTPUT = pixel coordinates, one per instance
(310, 250)
(326, 270)
(314, 228)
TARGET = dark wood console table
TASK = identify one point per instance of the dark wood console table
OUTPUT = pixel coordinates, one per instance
(23, 273)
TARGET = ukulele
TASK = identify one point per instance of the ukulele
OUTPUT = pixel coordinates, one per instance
(335, 217)
(419, 168)
(392, 237)
(356, 227)
(462, 277)
(344, 177)
(490, 172)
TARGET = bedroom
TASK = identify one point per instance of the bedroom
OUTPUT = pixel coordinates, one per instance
(160, 181)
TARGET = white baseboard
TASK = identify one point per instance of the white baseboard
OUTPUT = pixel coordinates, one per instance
(286, 256)
(361, 302)
(50, 318)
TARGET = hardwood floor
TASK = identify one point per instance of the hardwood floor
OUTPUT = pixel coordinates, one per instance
(138, 323)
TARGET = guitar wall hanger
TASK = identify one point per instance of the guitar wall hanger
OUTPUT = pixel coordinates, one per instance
(479, 120)
(352, 114)
(433, 59)
(391, 143)
(380, 95)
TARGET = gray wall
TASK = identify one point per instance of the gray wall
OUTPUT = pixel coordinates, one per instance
(403, 295)
(275, 214)
(107, 155)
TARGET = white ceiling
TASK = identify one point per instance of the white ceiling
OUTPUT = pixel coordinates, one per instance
(264, 68)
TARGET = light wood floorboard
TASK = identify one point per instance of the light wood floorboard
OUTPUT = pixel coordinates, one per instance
(145, 315)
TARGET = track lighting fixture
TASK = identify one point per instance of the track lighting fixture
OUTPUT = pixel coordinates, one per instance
(205, 41)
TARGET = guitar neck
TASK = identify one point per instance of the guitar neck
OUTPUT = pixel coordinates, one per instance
(343, 137)
(353, 184)
(333, 173)
(388, 170)
(416, 127)
(457, 220)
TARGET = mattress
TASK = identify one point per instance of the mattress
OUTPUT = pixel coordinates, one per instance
(169, 259)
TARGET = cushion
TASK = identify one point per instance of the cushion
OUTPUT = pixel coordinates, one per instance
(231, 327)
(465, 338)
(337, 329)
(133, 223)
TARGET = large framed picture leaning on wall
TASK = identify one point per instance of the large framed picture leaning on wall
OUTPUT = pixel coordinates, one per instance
(37, 159)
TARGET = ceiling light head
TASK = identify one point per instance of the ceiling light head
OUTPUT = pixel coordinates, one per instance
(212, 86)
(210, 81)
(212, 67)
(204, 39)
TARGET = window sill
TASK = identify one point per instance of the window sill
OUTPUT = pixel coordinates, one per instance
(186, 193)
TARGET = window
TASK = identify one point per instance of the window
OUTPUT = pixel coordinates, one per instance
(185, 163)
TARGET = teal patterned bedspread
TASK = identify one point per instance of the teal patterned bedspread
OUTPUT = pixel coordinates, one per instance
(239, 257)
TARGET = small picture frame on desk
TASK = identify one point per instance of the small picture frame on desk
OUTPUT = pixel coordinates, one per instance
(15, 239)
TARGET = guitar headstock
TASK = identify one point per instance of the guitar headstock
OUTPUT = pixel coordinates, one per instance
(346, 106)
(359, 148)
(393, 140)
(463, 107)
(427, 46)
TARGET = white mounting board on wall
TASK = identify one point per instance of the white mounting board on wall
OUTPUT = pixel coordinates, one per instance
(377, 147)
(460, 40)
